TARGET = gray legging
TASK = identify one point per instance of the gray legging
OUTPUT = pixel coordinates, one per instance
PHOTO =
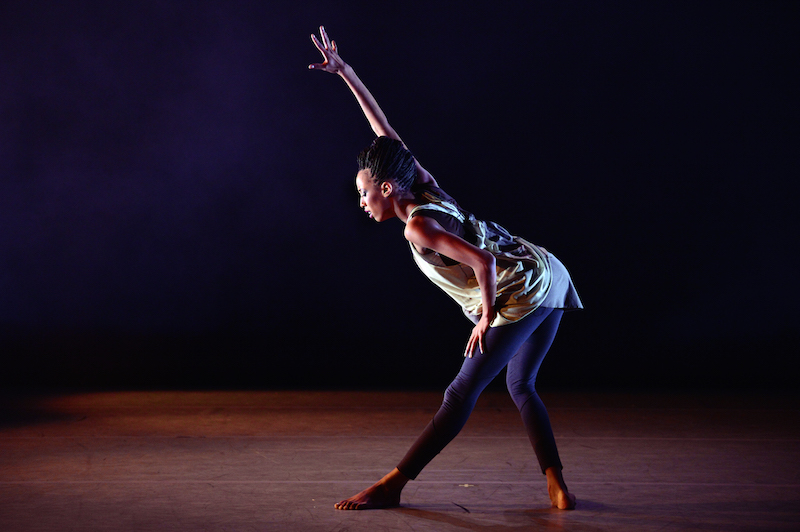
(522, 346)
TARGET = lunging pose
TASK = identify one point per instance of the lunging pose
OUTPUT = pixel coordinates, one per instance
(514, 292)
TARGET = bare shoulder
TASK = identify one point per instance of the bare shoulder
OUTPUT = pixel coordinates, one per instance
(422, 230)
(425, 233)
(417, 225)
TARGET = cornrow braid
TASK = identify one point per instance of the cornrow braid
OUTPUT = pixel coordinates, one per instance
(387, 159)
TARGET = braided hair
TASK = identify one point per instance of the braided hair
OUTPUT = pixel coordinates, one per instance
(388, 160)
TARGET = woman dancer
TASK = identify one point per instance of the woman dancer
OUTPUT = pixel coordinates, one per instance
(513, 291)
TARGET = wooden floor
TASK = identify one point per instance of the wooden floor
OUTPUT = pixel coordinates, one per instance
(236, 461)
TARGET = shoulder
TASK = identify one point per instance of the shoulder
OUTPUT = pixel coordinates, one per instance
(420, 221)
(422, 229)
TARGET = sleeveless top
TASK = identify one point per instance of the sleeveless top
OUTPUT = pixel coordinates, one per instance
(525, 272)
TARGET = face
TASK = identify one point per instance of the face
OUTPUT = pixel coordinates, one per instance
(374, 199)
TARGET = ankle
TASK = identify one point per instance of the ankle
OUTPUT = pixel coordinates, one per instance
(555, 478)
(394, 481)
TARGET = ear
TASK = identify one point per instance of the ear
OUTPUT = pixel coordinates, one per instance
(386, 189)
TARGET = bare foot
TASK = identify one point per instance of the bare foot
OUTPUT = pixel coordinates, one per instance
(562, 500)
(376, 496)
(383, 494)
(560, 497)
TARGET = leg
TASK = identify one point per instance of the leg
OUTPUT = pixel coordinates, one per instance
(460, 397)
(521, 381)
(462, 394)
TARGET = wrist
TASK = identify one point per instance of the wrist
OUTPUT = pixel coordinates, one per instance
(346, 71)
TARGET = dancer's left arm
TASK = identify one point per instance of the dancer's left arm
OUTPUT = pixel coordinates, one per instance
(426, 232)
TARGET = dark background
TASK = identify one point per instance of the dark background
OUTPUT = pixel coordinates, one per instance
(177, 207)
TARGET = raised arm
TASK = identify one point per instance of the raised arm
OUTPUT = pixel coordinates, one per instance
(334, 64)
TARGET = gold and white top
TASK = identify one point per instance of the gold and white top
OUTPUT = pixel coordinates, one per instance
(524, 271)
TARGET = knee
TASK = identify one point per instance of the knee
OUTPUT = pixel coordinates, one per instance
(521, 391)
(461, 393)
(454, 395)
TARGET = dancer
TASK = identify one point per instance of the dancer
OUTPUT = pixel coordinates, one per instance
(514, 292)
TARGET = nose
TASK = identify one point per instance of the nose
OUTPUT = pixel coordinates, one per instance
(361, 202)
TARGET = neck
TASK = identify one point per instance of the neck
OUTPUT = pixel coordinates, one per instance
(403, 207)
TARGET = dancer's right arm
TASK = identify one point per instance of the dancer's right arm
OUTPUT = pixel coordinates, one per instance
(334, 64)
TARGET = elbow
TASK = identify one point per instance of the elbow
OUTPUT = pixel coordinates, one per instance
(488, 262)
(491, 262)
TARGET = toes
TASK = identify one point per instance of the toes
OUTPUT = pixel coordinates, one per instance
(347, 505)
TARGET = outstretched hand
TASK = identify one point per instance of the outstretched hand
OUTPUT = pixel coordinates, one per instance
(331, 61)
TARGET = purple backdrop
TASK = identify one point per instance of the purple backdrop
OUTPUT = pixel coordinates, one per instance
(177, 204)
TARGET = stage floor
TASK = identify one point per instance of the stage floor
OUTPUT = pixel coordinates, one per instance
(236, 461)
